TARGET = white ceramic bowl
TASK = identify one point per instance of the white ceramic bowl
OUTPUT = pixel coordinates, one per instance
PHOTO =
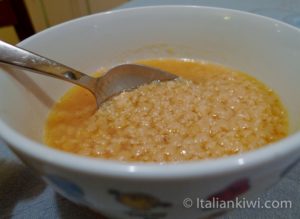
(265, 48)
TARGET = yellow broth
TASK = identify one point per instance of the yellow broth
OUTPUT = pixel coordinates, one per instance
(210, 111)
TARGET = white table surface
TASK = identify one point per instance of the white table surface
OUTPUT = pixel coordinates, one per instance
(24, 195)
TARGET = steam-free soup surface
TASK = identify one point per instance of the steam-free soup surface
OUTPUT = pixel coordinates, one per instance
(209, 112)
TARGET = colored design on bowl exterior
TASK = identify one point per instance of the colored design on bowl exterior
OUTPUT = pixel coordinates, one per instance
(232, 191)
(69, 188)
(141, 204)
(215, 215)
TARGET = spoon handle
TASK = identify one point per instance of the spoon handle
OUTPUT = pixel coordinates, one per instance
(22, 58)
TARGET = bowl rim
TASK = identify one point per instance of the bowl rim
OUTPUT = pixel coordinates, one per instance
(95, 166)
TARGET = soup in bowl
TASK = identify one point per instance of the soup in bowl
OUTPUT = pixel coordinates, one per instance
(163, 184)
(208, 112)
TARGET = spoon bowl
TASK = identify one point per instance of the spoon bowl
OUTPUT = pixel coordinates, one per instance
(117, 79)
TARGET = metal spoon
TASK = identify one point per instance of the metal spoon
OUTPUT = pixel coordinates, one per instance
(117, 79)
